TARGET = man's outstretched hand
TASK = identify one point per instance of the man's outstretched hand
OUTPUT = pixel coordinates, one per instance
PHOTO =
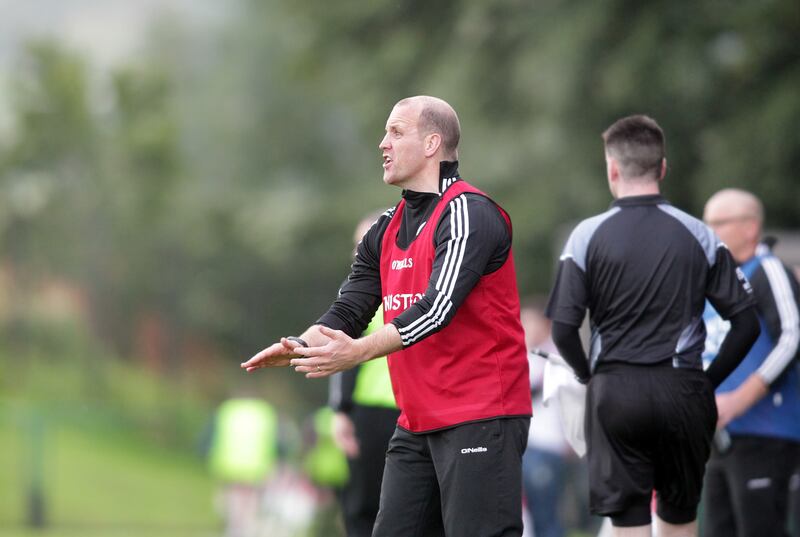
(276, 355)
(339, 353)
(329, 351)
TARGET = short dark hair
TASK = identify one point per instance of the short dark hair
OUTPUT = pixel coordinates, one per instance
(638, 145)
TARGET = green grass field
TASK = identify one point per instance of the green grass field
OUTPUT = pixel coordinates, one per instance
(101, 483)
(110, 456)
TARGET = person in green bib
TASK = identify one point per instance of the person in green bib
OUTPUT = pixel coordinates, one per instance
(364, 421)
(242, 455)
(325, 463)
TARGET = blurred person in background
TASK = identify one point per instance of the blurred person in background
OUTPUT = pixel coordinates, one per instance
(758, 447)
(242, 455)
(644, 269)
(326, 466)
(365, 419)
(441, 263)
(545, 462)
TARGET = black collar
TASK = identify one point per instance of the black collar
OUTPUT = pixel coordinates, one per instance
(633, 201)
(448, 174)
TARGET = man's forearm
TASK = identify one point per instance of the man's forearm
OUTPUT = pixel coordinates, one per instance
(381, 342)
(751, 391)
(568, 341)
(743, 333)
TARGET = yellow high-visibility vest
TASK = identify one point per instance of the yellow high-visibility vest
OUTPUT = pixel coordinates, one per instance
(373, 385)
(244, 448)
(326, 464)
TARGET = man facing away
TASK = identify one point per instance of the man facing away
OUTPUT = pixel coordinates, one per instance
(644, 270)
(747, 480)
(441, 264)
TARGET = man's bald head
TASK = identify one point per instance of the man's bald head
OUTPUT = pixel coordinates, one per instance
(437, 116)
(736, 217)
(733, 203)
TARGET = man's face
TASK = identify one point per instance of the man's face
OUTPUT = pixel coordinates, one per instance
(735, 226)
(403, 147)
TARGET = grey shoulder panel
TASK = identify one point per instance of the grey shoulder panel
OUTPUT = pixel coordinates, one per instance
(702, 233)
(578, 242)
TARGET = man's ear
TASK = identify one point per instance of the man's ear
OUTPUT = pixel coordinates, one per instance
(663, 169)
(433, 142)
(612, 168)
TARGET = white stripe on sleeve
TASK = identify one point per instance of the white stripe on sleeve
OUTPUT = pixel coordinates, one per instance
(786, 347)
(442, 304)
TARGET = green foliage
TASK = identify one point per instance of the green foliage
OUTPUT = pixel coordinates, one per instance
(198, 201)
(212, 183)
(51, 101)
(536, 82)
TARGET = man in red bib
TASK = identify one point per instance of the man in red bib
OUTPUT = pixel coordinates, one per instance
(440, 263)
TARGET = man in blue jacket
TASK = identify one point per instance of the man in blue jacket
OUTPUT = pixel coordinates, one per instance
(747, 479)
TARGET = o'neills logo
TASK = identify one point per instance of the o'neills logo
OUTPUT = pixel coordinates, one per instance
(479, 449)
(400, 264)
(400, 301)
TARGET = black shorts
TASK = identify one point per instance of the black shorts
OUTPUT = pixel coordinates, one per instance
(648, 428)
(466, 480)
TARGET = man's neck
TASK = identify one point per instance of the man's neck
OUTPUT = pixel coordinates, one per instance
(628, 188)
(426, 181)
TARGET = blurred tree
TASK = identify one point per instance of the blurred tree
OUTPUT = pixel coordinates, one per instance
(205, 194)
(536, 83)
(50, 164)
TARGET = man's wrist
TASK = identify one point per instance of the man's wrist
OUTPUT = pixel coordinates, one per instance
(583, 380)
(300, 341)
(363, 349)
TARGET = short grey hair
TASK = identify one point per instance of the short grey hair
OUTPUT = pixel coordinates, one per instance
(436, 115)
